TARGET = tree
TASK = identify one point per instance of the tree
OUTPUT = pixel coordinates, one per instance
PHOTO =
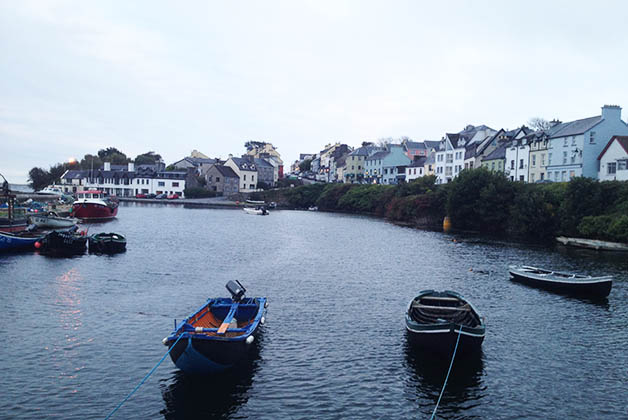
(538, 123)
(306, 165)
(149, 158)
(56, 171)
(90, 161)
(250, 145)
(38, 178)
(113, 155)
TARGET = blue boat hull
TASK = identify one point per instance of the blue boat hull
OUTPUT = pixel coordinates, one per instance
(200, 353)
(9, 243)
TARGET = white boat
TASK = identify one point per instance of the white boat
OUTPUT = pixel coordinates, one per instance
(313, 208)
(51, 190)
(51, 220)
(260, 211)
(593, 244)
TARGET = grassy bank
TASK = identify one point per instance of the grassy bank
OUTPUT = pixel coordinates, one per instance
(482, 201)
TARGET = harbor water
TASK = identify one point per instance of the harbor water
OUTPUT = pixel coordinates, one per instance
(80, 333)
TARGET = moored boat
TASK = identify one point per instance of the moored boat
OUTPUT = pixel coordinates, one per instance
(220, 334)
(63, 242)
(107, 243)
(94, 205)
(560, 282)
(434, 320)
(259, 210)
(10, 242)
(592, 244)
(51, 220)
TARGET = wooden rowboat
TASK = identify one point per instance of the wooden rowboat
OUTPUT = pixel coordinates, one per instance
(560, 282)
(435, 319)
(219, 335)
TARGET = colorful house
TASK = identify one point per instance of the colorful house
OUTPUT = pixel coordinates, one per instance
(613, 160)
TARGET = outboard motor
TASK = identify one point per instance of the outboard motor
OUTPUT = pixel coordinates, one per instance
(236, 289)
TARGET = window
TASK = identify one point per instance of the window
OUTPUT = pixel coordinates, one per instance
(565, 142)
(449, 158)
(564, 158)
(175, 184)
(161, 184)
(531, 177)
(573, 157)
(520, 163)
(520, 177)
(592, 137)
(217, 179)
(512, 164)
(556, 175)
(359, 168)
(542, 159)
(533, 161)
(572, 174)
(611, 168)
(352, 167)
(622, 165)
(493, 166)
(244, 179)
(252, 178)
(563, 175)
(549, 158)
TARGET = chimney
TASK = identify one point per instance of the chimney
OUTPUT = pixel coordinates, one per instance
(107, 166)
(611, 112)
(131, 167)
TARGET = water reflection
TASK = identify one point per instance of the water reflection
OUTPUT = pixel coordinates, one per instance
(426, 375)
(216, 396)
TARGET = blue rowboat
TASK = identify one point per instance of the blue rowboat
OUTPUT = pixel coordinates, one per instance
(219, 335)
(17, 242)
(435, 319)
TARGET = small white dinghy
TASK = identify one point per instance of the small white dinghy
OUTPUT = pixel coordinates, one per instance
(52, 220)
(260, 211)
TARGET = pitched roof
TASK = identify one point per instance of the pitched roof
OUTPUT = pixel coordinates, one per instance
(431, 144)
(378, 155)
(573, 128)
(244, 164)
(622, 140)
(499, 153)
(415, 145)
(418, 162)
(226, 171)
(263, 163)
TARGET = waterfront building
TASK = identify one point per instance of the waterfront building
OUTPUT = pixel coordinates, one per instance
(246, 169)
(265, 172)
(574, 147)
(222, 179)
(452, 151)
(124, 180)
(414, 148)
(495, 160)
(196, 160)
(393, 164)
(416, 168)
(538, 141)
(263, 150)
(518, 156)
(373, 167)
(429, 167)
(613, 160)
(355, 170)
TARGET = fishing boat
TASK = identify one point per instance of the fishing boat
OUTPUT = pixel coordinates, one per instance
(220, 334)
(51, 220)
(94, 205)
(259, 210)
(12, 218)
(434, 320)
(556, 281)
(10, 242)
(107, 243)
(63, 242)
(51, 190)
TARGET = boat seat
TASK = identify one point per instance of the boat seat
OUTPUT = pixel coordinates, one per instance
(226, 323)
(445, 308)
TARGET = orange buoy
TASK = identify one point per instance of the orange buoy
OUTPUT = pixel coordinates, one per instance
(446, 224)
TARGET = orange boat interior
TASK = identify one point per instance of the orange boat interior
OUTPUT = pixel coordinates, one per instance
(205, 318)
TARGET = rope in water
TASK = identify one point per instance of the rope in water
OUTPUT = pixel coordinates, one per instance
(448, 372)
(145, 378)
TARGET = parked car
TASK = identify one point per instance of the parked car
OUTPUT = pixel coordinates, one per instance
(173, 196)
(140, 195)
(151, 195)
(161, 196)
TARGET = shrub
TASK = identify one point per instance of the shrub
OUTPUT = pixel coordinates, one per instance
(198, 192)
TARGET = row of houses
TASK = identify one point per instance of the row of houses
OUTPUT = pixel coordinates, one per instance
(261, 166)
(593, 147)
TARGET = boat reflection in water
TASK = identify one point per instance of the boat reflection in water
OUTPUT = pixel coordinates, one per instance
(213, 396)
(426, 376)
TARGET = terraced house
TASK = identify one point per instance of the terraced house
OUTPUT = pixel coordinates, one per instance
(574, 147)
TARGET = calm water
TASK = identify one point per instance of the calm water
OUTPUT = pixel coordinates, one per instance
(80, 333)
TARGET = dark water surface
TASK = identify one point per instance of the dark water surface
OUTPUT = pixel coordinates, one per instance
(78, 334)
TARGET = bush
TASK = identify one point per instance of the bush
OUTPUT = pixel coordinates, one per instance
(534, 213)
(198, 192)
(369, 198)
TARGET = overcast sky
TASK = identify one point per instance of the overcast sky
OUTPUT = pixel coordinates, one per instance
(170, 77)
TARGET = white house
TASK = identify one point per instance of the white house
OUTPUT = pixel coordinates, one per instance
(246, 169)
(575, 146)
(450, 157)
(614, 160)
(517, 159)
(416, 169)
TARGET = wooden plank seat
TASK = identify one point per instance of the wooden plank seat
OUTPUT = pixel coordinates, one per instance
(444, 308)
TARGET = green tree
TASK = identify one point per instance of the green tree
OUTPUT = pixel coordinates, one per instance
(113, 155)
(148, 158)
(479, 200)
(39, 178)
(306, 165)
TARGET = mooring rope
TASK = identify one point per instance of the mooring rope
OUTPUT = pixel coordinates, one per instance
(145, 378)
(448, 372)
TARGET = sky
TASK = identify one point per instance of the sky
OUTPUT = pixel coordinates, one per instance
(171, 77)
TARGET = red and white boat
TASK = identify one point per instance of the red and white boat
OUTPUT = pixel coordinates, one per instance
(94, 204)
